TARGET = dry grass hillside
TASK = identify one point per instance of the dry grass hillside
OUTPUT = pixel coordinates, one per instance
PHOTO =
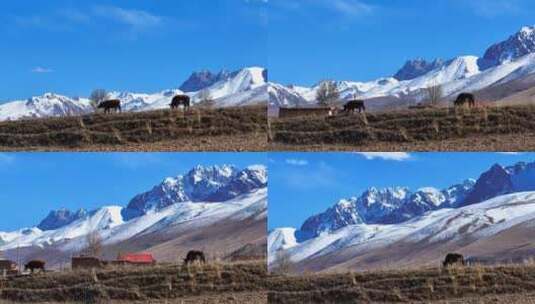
(488, 128)
(477, 284)
(209, 283)
(228, 129)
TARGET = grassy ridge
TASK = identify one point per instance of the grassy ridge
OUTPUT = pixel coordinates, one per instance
(213, 280)
(249, 282)
(134, 128)
(410, 286)
(401, 127)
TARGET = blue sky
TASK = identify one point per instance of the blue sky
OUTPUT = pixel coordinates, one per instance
(71, 47)
(311, 40)
(35, 183)
(304, 184)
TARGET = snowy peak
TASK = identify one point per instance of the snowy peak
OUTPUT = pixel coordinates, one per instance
(395, 205)
(417, 67)
(48, 104)
(244, 80)
(517, 45)
(200, 184)
(280, 238)
(342, 214)
(59, 218)
(390, 205)
(203, 79)
(284, 96)
(377, 205)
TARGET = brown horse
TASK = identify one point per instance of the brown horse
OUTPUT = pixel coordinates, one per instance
(35, 265)
(179, 100)
(108, 105)
(353, 105)
(194, 255)
(465, 98)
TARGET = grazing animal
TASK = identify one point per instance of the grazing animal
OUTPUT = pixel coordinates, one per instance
(108, 105)
(465, 98)
(194, 255)
(353, 105)
(453, 259)
(35, 265)
(179, 100)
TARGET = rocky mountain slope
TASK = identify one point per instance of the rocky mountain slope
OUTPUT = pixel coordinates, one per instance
(394, 224)
(191, 204)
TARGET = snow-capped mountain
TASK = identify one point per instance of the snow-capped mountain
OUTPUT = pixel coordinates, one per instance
(502, 197)
(383, 206)
(247, 86)
(517, 45)
(417, 67)
(49, 104)
(208, 184)
(503, 62)
(422, 240)
(186, 204)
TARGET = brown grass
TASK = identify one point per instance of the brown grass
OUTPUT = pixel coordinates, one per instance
(210, 283)
(249, 282)
(478, 284)
(439, 129)
(229, 129)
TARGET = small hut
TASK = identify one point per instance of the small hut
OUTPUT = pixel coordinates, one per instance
(86, 262)
(136, 259)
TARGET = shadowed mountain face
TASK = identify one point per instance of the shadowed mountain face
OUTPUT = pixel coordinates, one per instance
(417, 67)
(492, 183)
(517, 45)
(203, 79)
(59, 218)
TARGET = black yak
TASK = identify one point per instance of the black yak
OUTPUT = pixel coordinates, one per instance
(353, 105)
(108, 105)
(179, 100)
(194, 255)
(35, 265)
(453, 259)
(465, 98)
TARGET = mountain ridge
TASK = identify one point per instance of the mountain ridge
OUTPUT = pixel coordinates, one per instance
(65, 229)
(501, 198)
(502, 62)
(247, 86)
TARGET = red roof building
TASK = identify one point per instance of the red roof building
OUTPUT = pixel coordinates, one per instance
(136, 258)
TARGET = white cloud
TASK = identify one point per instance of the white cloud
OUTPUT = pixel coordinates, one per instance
(396, 156)
(349, 7)
(42, 70)
(493, 8)
(296, 162)
(69, 19)
(137, 19)
(510, 153)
